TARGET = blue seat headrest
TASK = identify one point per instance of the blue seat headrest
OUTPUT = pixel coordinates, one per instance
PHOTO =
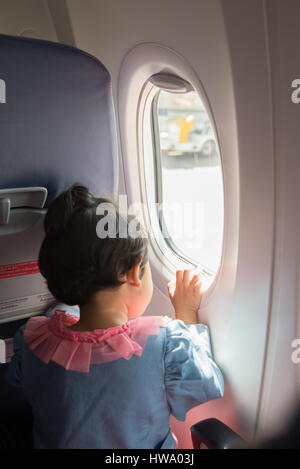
(57, 123)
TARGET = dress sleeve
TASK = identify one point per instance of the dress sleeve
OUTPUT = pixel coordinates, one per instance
(191, 375)
(14, 371)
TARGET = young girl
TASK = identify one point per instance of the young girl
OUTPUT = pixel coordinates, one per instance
(112, 378)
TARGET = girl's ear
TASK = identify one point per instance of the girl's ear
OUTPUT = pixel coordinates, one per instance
(133, 275)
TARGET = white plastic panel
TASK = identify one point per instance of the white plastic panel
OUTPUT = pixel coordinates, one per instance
(280, 393)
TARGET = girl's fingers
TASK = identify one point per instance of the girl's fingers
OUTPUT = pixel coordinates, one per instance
(198, 288)
(171, 289)
(195, 279)
(186, 277)
(183, 277)
(178, 276)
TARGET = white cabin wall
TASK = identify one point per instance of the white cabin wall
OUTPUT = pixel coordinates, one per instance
(268, 123)
(246, 329)
(28, 18)
(280, 393)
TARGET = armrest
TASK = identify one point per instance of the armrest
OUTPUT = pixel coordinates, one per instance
(215, 435)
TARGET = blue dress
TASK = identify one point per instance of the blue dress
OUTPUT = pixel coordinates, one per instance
(116, 402)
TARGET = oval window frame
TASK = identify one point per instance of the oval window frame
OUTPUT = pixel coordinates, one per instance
(140, 63)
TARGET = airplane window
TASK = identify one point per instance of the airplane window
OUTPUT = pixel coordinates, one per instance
(188, 178)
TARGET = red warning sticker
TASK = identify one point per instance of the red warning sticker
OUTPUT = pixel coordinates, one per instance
(16, 270)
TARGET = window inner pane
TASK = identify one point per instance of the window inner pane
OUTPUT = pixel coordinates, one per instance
(192, 184)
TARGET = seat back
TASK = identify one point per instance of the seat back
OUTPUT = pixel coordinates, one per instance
(56, 127)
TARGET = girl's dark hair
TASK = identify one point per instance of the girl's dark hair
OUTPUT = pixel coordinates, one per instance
(74, 260)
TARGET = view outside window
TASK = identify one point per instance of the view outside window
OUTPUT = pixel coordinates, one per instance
(192, 185)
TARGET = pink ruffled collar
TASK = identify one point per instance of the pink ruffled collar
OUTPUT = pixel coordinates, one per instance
(50, 340)
(58, 321)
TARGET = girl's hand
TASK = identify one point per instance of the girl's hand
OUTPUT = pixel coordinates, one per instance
(186, 296)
